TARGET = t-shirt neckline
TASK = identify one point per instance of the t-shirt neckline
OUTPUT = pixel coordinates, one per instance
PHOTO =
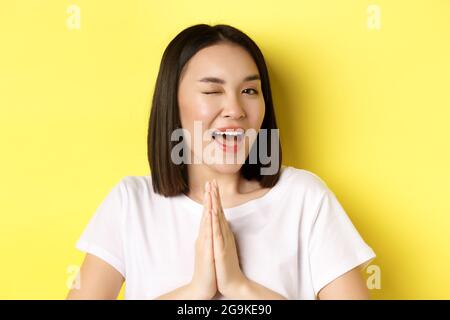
(244, 207)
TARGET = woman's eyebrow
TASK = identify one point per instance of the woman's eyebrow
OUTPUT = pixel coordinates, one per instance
(221, 81)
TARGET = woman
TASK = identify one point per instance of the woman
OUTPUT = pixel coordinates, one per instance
(201, 229)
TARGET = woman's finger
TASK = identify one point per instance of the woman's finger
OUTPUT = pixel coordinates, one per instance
(217, 231)
(208, 212)
(221, 216)
(202, 231)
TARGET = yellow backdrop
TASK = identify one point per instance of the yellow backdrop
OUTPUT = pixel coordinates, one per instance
(361, 91)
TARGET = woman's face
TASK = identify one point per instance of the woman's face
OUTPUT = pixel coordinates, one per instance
(220, 90)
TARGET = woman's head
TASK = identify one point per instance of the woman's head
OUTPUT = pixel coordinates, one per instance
(215, 77)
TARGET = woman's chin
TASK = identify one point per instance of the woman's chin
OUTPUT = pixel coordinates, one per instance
(227, 168)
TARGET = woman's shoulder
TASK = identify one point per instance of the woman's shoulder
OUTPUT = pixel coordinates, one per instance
(137, 187)
(303, 179)
(136, 183)
(140, 196)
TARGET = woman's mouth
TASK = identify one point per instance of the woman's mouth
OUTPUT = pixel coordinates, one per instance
(228, 141)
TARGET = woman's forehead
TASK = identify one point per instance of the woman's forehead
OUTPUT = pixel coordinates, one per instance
(221, 62)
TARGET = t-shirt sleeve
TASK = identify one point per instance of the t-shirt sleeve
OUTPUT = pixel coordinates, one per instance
(104, 234)
(335, 246)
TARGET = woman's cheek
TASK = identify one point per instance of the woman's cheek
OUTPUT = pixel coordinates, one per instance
(255, 115)
(204, 112)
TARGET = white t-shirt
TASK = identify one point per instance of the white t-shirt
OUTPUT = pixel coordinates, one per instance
(295, 239)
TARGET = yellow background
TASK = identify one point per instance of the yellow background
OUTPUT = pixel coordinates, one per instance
(367, 110)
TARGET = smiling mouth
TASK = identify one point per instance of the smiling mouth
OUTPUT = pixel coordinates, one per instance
(228, 140)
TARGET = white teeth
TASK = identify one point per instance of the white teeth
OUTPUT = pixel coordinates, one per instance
(228, 133)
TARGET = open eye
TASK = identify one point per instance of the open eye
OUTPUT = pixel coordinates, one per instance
(256, 92)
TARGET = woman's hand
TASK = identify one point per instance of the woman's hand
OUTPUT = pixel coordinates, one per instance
(216, 259)
(229, 276)
(204, 278)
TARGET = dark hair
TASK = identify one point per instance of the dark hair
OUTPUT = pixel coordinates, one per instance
(168, 178)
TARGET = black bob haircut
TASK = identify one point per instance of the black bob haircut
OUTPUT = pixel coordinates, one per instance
(170, 179)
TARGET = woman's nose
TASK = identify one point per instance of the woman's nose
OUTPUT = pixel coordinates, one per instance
(233, 110)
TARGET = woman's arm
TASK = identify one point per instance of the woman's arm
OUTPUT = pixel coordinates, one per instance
(251, 290)
(97, 280)
(349, 286)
